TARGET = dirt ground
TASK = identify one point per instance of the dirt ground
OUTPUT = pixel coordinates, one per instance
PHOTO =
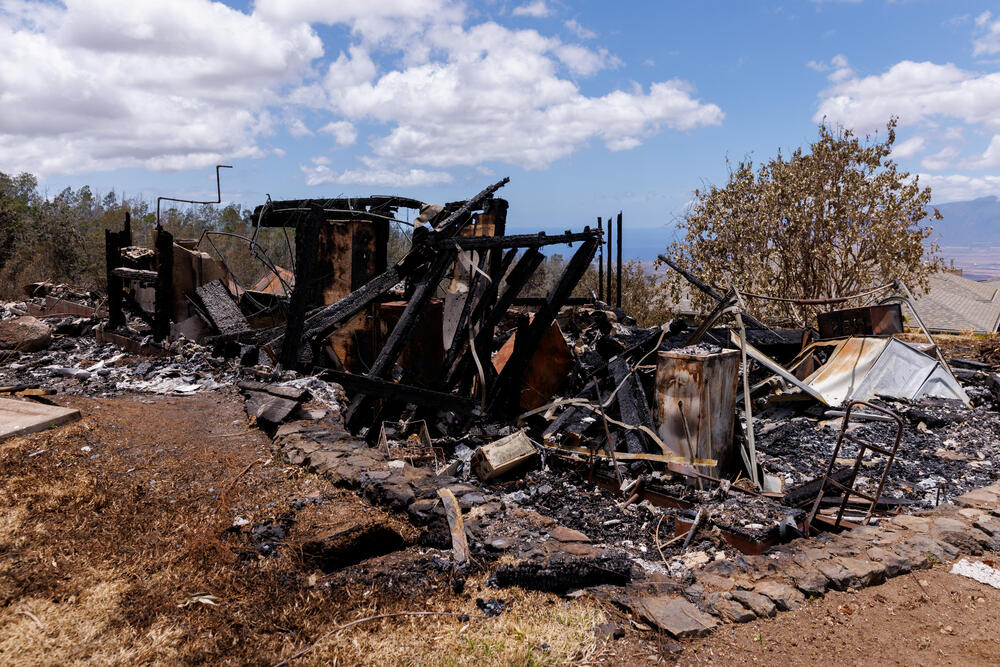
(117, 546)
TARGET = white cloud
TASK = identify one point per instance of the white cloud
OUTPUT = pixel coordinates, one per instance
(943, 159)
(909, 148)
(536, 8)
(919, 93)
(495, 94)
(584, 62)
(297, 128)
(103, 84)
(574, 27)
(987, 40)
(321, 174)
(91, 85)
(959, 187)
(838, 67)
(344, 132)
(990, 159)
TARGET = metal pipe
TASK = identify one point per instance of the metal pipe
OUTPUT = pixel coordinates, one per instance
(619, 259)
(600, 261)
(218, 191)
(611, 248)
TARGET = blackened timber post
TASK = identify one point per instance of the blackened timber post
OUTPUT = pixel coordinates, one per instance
(394, 344)
(306, 248)
(113, 256)
(164, 301)
(506, 397)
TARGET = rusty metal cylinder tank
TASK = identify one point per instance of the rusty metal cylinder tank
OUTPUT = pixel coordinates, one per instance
(695, 404)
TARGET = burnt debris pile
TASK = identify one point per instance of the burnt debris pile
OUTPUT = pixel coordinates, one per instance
(711, 437)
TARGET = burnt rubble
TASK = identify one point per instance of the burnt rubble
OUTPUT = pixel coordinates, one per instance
(586, 449)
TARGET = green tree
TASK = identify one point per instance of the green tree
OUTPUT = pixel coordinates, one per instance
(838, 219)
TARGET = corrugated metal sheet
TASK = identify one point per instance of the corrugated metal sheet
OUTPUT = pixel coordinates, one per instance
(862, 368)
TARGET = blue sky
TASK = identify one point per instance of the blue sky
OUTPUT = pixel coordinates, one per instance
(589, 107)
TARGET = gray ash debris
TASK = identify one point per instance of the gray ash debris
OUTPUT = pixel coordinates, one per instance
(700, 350)
(592, 510)
(946, 449)
(82, 366)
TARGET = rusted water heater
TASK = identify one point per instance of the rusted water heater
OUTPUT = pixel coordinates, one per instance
(695, 404)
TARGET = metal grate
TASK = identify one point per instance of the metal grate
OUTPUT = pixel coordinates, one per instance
(848, 487)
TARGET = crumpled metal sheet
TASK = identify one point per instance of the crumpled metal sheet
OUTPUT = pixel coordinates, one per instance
(862, 368)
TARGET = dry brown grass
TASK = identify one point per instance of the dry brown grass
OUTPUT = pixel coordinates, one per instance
(97, 555)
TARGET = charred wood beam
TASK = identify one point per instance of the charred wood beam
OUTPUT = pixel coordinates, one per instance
(495, 213)
(458, 354)
(113, 258)
(395, 391)
(389, 353)
(750, 320)
(632, 404)
(322, 323)
(454, 222)
(514, 240)
(540, 300)
(306, 249)
(600, 261)
(507, 390)
(570, 415)
(463, 318)
(611, 249)
(164, 284)
(144, 277)
(515, 282)
(223, 312)
(288, 212)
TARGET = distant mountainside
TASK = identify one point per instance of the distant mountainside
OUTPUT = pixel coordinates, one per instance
(969, 223)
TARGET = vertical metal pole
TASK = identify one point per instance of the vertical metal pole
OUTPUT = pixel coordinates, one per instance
(611, 246)
(747, 402)
(600, 262)
(619, 295)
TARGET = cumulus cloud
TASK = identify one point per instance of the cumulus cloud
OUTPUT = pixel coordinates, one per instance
(496, 94)
(943, 100)
(960, 187)
(987, 40)
(919, 93)
(574, 27)
(89, 85)
(909, 148)
(102, 84)
(536, 9)
(321, 174)
(344, 133)
(838, 67)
